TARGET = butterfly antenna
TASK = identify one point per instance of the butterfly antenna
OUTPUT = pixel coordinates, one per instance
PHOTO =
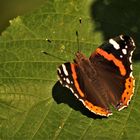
(80, 20)
(49, 54)
(46, 53)
(48, 40)
(77, 35)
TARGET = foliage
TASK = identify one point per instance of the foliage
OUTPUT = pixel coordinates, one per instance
(31, 103)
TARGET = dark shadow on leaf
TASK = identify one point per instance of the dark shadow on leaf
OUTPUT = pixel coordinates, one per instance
(64, 95)
(114, 17)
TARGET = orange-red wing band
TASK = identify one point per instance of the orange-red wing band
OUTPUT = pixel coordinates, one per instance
(96, 109)
(111, 57)
(128, 92)
(74, 75)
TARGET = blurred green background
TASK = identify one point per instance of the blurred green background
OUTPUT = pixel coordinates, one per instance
(13, 8)
(111, 17)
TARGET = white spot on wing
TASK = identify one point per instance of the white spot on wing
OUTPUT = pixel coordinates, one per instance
(121, 56)
(64, 69)
(133, 89)
(133, 41)
(109, 114)
(121, 37)
(59, 70)
(60, 82)
(131, 67)
(131, 53)
(67, 86)
(129, 99)
(130, 59)
(67, 80)
(124, 51)
(114, 43)
(76, 96)
(71, 90)
(131, 75)
(133, 82)
(126, 46)
(124, 106)
(82, 101)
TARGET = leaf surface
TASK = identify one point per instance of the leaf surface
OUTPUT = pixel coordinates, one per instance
(28, 79)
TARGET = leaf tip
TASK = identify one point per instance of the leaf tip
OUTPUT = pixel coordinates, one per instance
(15, 20)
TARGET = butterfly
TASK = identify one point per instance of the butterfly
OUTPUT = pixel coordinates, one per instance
(105, 78)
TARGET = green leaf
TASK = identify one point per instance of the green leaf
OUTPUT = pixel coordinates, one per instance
(28, 79)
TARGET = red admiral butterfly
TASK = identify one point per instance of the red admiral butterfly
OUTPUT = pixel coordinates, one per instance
(103, 79)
